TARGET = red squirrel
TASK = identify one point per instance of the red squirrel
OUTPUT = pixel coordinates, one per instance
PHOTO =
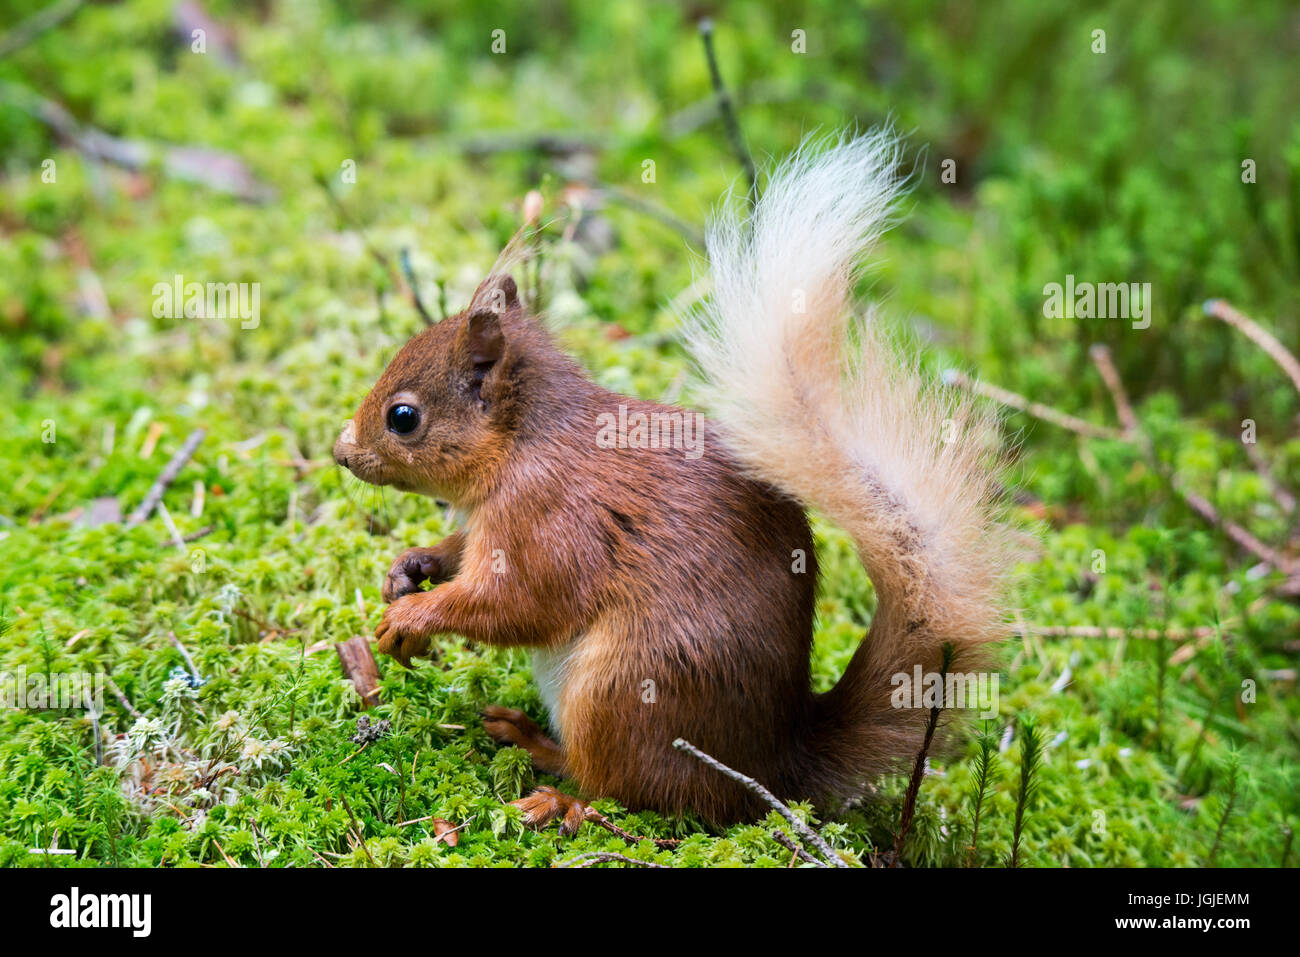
(668, 592)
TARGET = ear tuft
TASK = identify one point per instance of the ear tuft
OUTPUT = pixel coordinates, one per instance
(497, 293)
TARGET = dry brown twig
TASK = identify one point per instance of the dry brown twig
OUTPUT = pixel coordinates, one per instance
(44, 19)
(216, 169)
(166, 477)
(595, 817)
(358, 833)
(1036, 409)
(602, 857)
(1197, 503)
(1094, 631)
(799, 853)
(1100, 354)
(1257, 334)
(117, 692)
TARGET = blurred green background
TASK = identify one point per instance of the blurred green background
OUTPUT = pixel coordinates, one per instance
(1117, 166)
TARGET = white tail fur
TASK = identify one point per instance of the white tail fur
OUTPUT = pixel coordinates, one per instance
(831, 415)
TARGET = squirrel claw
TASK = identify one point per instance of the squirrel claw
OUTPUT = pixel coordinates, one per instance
(512, 726)
(412, 568)
(399, 634)
(546, 804)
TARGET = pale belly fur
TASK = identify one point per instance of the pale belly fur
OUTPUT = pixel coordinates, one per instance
(550, 667)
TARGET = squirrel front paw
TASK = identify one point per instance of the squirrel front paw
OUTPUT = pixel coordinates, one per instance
(412, 567)
(404, 631)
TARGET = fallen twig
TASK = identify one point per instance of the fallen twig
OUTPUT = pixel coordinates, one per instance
(213, 168)
(1100, 354)
(199, 679)
(94, 723)
(44, 19)
(1093, 631)
(600, 820)
(117, 692)
(359, 834)
(807, 832)
(1257, 334)
(168, 475)
(1197, 503)
(406, 289)
(192, 536)
(1285, 499)
(602, 857)
(785, 841)
(1036, 409)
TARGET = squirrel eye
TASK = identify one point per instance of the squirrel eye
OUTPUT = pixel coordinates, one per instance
(403, 419)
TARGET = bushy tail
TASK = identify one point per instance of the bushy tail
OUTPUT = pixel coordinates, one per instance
(825, 409)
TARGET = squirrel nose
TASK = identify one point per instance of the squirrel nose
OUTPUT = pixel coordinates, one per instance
(345, 444)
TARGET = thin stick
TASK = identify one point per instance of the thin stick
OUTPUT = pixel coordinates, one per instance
(728, 111)
(1197, 503)
(192, 536)
(595, 817)
(1234, 531)
(406, 289)
(918, 767)
(807, 832)
(1285, 500)
(785, 841)
(1257, 334)
(657, 213)
(1091, 631)
(171, 527)
(186, 655)
(40, 21)
(601, 857)
(257, 845)
(117, 692)
(405, 260)
(359, 834)
(228, 858)
(168, 475)
(1100, 354)
(94, 723)
(1036, 409)
(216, 169)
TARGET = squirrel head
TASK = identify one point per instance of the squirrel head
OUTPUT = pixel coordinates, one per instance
(442, 415)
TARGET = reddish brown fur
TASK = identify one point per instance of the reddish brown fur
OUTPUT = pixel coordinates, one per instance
(643, 565)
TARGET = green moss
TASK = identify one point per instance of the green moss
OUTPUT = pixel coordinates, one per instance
(1063, 167)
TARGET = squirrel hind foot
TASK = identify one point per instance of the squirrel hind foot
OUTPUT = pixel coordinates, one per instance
(512, 726)
(546, 804)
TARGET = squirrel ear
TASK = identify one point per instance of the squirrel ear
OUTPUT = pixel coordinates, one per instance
(497, 293)
(484, 346)
(484, 340)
